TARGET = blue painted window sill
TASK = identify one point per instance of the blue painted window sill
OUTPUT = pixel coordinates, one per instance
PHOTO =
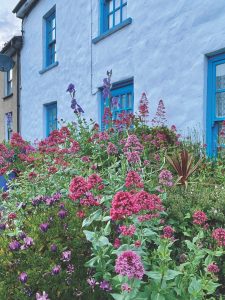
(49, 68)
(112, 30)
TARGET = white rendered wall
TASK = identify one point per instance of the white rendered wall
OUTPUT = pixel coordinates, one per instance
(164, 50)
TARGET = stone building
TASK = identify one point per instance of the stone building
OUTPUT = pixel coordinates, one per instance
(172, 50)
(10, 91)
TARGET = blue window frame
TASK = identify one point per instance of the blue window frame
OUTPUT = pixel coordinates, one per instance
(124, 93)
(215, 104)
(51, 117)
(50, 32)
(113, 13)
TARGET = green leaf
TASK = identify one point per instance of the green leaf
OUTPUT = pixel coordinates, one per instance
(157, 296)
(90, 235)
(107, 229)
(195, 286)
(148, 232)
(117, 296)
(91, 262)
(171, 274)
(103, 241)
(154, 275)
(95, 216)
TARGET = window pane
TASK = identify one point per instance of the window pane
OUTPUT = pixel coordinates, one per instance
(117, 3)
(220, 104)
(130, 101)
(110, 21)
(220, 76)
(110, 5)
(124, 1)
(124, 13)
(123, 101)
(117, 17)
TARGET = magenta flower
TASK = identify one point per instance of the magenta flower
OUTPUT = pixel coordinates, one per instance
(219, 235)
(168, 232)
(129, 264)
(23, 277)
(126, 287)
(166, 178)
(92, 282)
(199, 217)
(28, 242)
(213, 268)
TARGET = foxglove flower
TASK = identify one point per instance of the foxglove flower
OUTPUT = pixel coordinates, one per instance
(105, 286)
(53, 248)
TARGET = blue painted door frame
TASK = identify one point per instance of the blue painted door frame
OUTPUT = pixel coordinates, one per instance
(212, 120)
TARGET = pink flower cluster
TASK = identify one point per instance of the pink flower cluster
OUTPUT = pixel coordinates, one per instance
(133, 180)
(166, 178)
(143, 107)
(199, 218)
(112, 149)
(219, 235)
(213, 268)
(168, 232)
(129, 264)
(127, 230)
(125, 204)
(80, 189)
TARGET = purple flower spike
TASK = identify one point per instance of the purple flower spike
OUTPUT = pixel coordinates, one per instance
(2, 226)
(23, 277)
(14, 246)
(71, 88)
(62, 214)
(56, 270)
(44, 227)
(105, 285)
(53, 248)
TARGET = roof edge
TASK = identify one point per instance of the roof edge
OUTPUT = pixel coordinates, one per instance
(24, 7)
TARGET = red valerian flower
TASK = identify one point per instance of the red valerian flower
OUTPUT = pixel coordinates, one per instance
(116, 243)
(168, 232)
(12, 216)
(80, 214)
(199, 217)
(122, 206)
(213, 268)
(127, 230)
(219, 235)
(112, 149)
(129, 264)
(133, 180)
(147, 202)
(95, 181)
(78, 188)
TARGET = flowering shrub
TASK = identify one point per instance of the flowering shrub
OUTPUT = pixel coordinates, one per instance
(94, 215)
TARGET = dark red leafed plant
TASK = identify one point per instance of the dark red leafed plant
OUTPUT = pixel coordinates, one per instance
(183, 164)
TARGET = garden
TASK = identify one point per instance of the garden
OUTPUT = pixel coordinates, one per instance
(132, 212)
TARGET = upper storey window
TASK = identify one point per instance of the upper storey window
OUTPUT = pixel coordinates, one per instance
(114, 13)
(50, 26)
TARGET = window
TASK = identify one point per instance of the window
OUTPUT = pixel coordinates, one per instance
(121, 100)
(8, 82)
(8, 126)
(114, 12)
(51, 117)
(215, 132)
(50, 24)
